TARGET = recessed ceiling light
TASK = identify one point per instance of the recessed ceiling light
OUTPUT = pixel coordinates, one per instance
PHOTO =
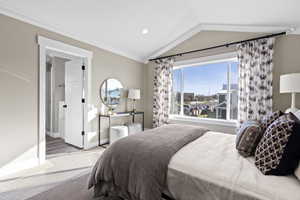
(145, 31)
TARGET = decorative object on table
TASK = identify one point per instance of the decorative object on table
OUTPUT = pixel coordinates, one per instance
(255, 79)
(134, 128)
(110, 111)
(278, 152)
(290, 83)
(248, 137)
(117, 115)
(134, 94)
(117, 132)
(111, 91)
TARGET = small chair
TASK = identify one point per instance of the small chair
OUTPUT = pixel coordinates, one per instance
(118, 132)
(134, 128)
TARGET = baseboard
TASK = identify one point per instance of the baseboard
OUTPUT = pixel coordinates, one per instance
(104, 141)
(17, 166)
(90, 145)
(53, 134)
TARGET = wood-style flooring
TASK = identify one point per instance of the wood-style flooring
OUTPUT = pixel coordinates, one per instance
(58, 146)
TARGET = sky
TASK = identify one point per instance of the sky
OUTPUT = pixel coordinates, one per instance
(206, 79)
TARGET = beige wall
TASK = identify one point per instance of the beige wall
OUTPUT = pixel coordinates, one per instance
(19, 84)
(286, 60)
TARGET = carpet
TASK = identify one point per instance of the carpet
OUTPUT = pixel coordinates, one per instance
(73, 189)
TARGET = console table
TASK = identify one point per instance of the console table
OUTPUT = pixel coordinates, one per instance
(132, 115)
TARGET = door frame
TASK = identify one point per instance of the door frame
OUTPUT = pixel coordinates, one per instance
(57, 46)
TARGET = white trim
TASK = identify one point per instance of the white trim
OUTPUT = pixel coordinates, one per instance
(53, 134)
(246, 28)
(46, 44)
(63, 48)
(232, 56)
(229, 123)
(22, 17)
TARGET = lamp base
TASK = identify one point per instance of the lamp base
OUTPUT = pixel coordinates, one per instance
(133, 106)
(292, 110)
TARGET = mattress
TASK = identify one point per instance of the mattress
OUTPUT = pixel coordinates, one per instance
(210, 168)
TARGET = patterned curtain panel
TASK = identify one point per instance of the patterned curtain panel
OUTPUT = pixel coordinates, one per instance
(255, 78)
(162, 91)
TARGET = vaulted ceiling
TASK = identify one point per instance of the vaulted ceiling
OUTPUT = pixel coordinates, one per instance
(117, 25)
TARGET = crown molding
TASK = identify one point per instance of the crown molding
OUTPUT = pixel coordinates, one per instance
(222, 27)
(245, 28)
(32, 21)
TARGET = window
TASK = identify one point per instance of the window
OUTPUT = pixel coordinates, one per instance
(206, 89)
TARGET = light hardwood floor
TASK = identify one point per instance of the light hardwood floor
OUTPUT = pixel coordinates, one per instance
(58, 146)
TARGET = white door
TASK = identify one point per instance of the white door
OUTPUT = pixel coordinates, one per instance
(74, 105)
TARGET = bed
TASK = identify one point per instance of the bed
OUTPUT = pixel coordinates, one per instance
(208, 167)
(211, 168)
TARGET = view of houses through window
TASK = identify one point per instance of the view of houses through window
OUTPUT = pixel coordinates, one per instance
(206, 90)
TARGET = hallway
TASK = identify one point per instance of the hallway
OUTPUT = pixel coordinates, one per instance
(58, 146)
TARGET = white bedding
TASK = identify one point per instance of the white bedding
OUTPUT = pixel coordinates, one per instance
(211, 168)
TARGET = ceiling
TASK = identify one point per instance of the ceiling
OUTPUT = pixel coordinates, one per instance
(116, 25)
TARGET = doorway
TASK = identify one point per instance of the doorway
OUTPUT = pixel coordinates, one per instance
(64, 95)
(64, 85)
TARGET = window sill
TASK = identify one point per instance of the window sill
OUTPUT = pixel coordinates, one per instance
(220, 122)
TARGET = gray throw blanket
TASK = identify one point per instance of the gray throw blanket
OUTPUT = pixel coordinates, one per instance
(135, 167)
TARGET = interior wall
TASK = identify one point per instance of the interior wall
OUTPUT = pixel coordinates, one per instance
(48, 96)
(19, 85)
(58, 94)
(286, 60)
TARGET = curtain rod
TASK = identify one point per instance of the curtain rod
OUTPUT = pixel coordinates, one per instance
(219, 46)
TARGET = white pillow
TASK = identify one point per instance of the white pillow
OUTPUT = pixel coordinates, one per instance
(297, 172)
(297, 114)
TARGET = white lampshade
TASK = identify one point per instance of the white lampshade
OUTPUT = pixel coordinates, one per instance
(290, 83)
(134, 94)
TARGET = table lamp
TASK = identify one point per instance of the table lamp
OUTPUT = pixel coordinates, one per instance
(134, 94)
(290, 83)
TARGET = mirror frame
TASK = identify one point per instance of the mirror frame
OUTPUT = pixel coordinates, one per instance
(110, 106)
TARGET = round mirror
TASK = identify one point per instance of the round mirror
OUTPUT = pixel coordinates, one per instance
(111, 92)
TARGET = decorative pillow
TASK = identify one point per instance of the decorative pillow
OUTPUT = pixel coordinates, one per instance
(248, 137)
(269, 119)
(278, 152)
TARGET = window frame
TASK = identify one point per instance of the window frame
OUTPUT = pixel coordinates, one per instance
(231, 56)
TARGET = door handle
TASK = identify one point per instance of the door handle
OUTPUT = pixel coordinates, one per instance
(64, 106)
